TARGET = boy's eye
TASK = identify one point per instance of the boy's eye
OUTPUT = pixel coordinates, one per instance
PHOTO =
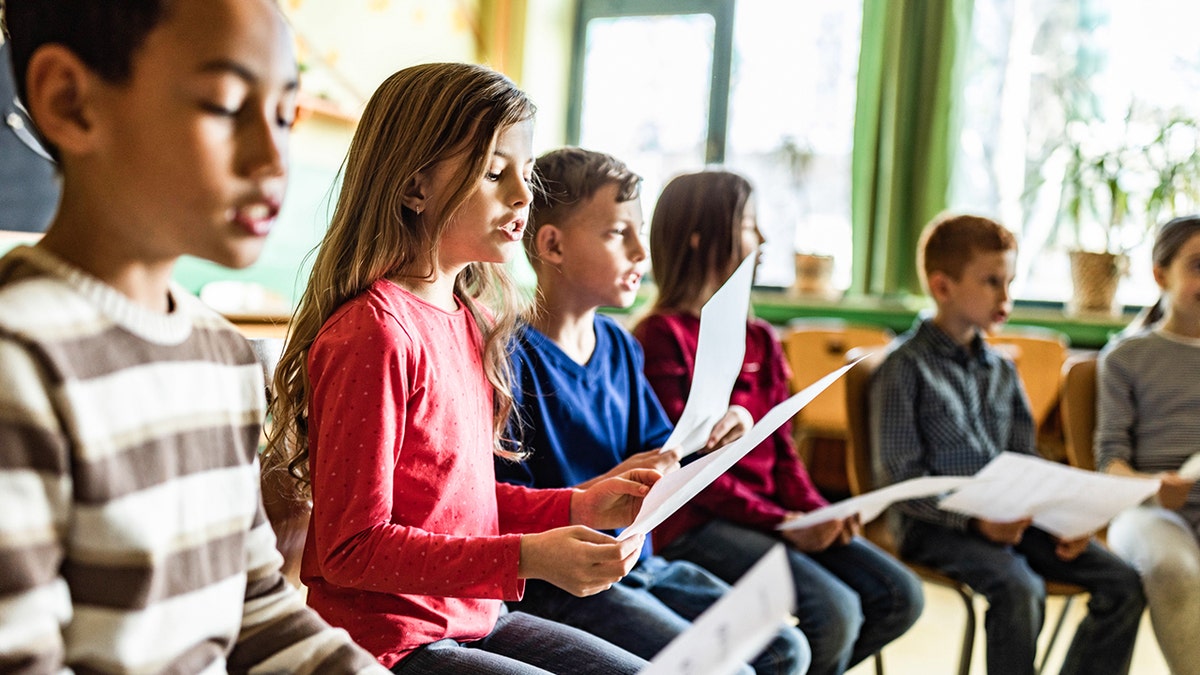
(218, 109)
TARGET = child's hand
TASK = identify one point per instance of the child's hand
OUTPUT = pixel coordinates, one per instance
(1173, 491)
(816, 538)
(578, 560)
(1008, 534)
(612, 502)
(1068, 550)
(851, 528)
(732, 426)
(662, 461)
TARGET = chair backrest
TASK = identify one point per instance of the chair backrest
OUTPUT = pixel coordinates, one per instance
(289, 517)
(859, 462)
(814, 348)
(1039, 355)
(1078, 408)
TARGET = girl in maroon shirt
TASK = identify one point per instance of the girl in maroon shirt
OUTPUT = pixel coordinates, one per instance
(851, 597)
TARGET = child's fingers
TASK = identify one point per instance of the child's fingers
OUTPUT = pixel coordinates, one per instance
(635, 482)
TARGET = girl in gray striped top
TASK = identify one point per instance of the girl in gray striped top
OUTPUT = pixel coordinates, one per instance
(1148, 424)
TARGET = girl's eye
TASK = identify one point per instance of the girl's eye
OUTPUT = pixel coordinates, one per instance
(492, 176)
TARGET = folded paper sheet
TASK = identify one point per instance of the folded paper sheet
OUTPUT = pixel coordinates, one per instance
(720, 350)
(676, 488)
(737, 627)
(868, 506)
(1066, 502)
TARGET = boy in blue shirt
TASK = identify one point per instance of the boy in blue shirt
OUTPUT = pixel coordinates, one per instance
(945, 404)
(586, 411)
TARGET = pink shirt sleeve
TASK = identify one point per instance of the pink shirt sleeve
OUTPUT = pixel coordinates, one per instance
(524, 509)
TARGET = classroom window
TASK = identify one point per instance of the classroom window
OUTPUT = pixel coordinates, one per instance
(763, 88)
(1042, 71)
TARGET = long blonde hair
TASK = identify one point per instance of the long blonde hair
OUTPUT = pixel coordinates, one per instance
(418, 117)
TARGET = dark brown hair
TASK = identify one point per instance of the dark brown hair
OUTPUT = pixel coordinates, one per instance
(566, 178)
(104, 34)
(1171, 237)
(705, 208)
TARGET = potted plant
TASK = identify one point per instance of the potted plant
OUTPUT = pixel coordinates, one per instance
(1119, 182)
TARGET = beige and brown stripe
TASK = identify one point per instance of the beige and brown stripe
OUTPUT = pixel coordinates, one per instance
(132, 537)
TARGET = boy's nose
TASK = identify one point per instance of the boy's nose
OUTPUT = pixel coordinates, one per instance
(637, 250)
(264, 148)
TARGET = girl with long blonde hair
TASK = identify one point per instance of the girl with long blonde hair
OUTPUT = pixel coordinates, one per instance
(392, 393)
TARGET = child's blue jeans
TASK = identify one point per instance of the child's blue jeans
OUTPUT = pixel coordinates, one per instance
(521, 644)
(1011, 578)
(851, 600)
(648, 608)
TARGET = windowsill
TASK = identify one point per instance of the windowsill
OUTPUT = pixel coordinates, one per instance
(1082, 332)
(899, 314)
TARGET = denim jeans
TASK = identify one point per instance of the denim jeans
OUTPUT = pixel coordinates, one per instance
(521, 644)
(850, 600)
(650, 606)
(1011, 578)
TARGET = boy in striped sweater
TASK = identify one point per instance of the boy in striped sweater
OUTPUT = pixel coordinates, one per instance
(132, 535)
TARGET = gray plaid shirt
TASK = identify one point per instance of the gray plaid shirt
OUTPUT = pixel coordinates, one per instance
(938, 409)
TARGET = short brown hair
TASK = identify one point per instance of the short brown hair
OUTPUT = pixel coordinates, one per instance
(564, 179)
(950, 241)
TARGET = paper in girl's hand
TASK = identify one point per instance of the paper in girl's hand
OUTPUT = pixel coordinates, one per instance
(676, 488)
(720, 350)
(1191, 468)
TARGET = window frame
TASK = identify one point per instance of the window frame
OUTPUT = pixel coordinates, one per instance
(722, 12)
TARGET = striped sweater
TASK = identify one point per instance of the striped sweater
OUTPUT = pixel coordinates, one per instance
(132, 536)
(1148, 397)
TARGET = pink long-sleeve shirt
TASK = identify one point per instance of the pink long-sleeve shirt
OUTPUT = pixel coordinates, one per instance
(411, 540)
(767, 483)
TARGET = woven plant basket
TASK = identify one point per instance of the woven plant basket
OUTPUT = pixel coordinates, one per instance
(1095, 277)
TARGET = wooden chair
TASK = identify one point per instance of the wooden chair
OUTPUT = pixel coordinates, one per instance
(1039, 355)
(814, 347)
(289, 517)
(1078, 409)
(860, 469)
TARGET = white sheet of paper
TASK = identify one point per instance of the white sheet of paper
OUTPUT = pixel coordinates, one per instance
(737, 627)
(1067, 502)
(1191, 467)
(720, 350)
(677, 487)
(868, 506)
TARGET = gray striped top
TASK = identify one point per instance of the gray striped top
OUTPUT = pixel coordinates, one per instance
(1148, 405)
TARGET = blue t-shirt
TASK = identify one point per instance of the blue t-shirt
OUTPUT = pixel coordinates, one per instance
(578, 421)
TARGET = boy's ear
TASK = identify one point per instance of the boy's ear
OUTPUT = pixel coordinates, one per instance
(548, 243)
(61, 91)
(416, 193)
(939, 285)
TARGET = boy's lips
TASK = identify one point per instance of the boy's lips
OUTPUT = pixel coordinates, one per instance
(256, 217)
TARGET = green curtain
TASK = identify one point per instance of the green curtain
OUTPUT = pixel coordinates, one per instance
(905, 134)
